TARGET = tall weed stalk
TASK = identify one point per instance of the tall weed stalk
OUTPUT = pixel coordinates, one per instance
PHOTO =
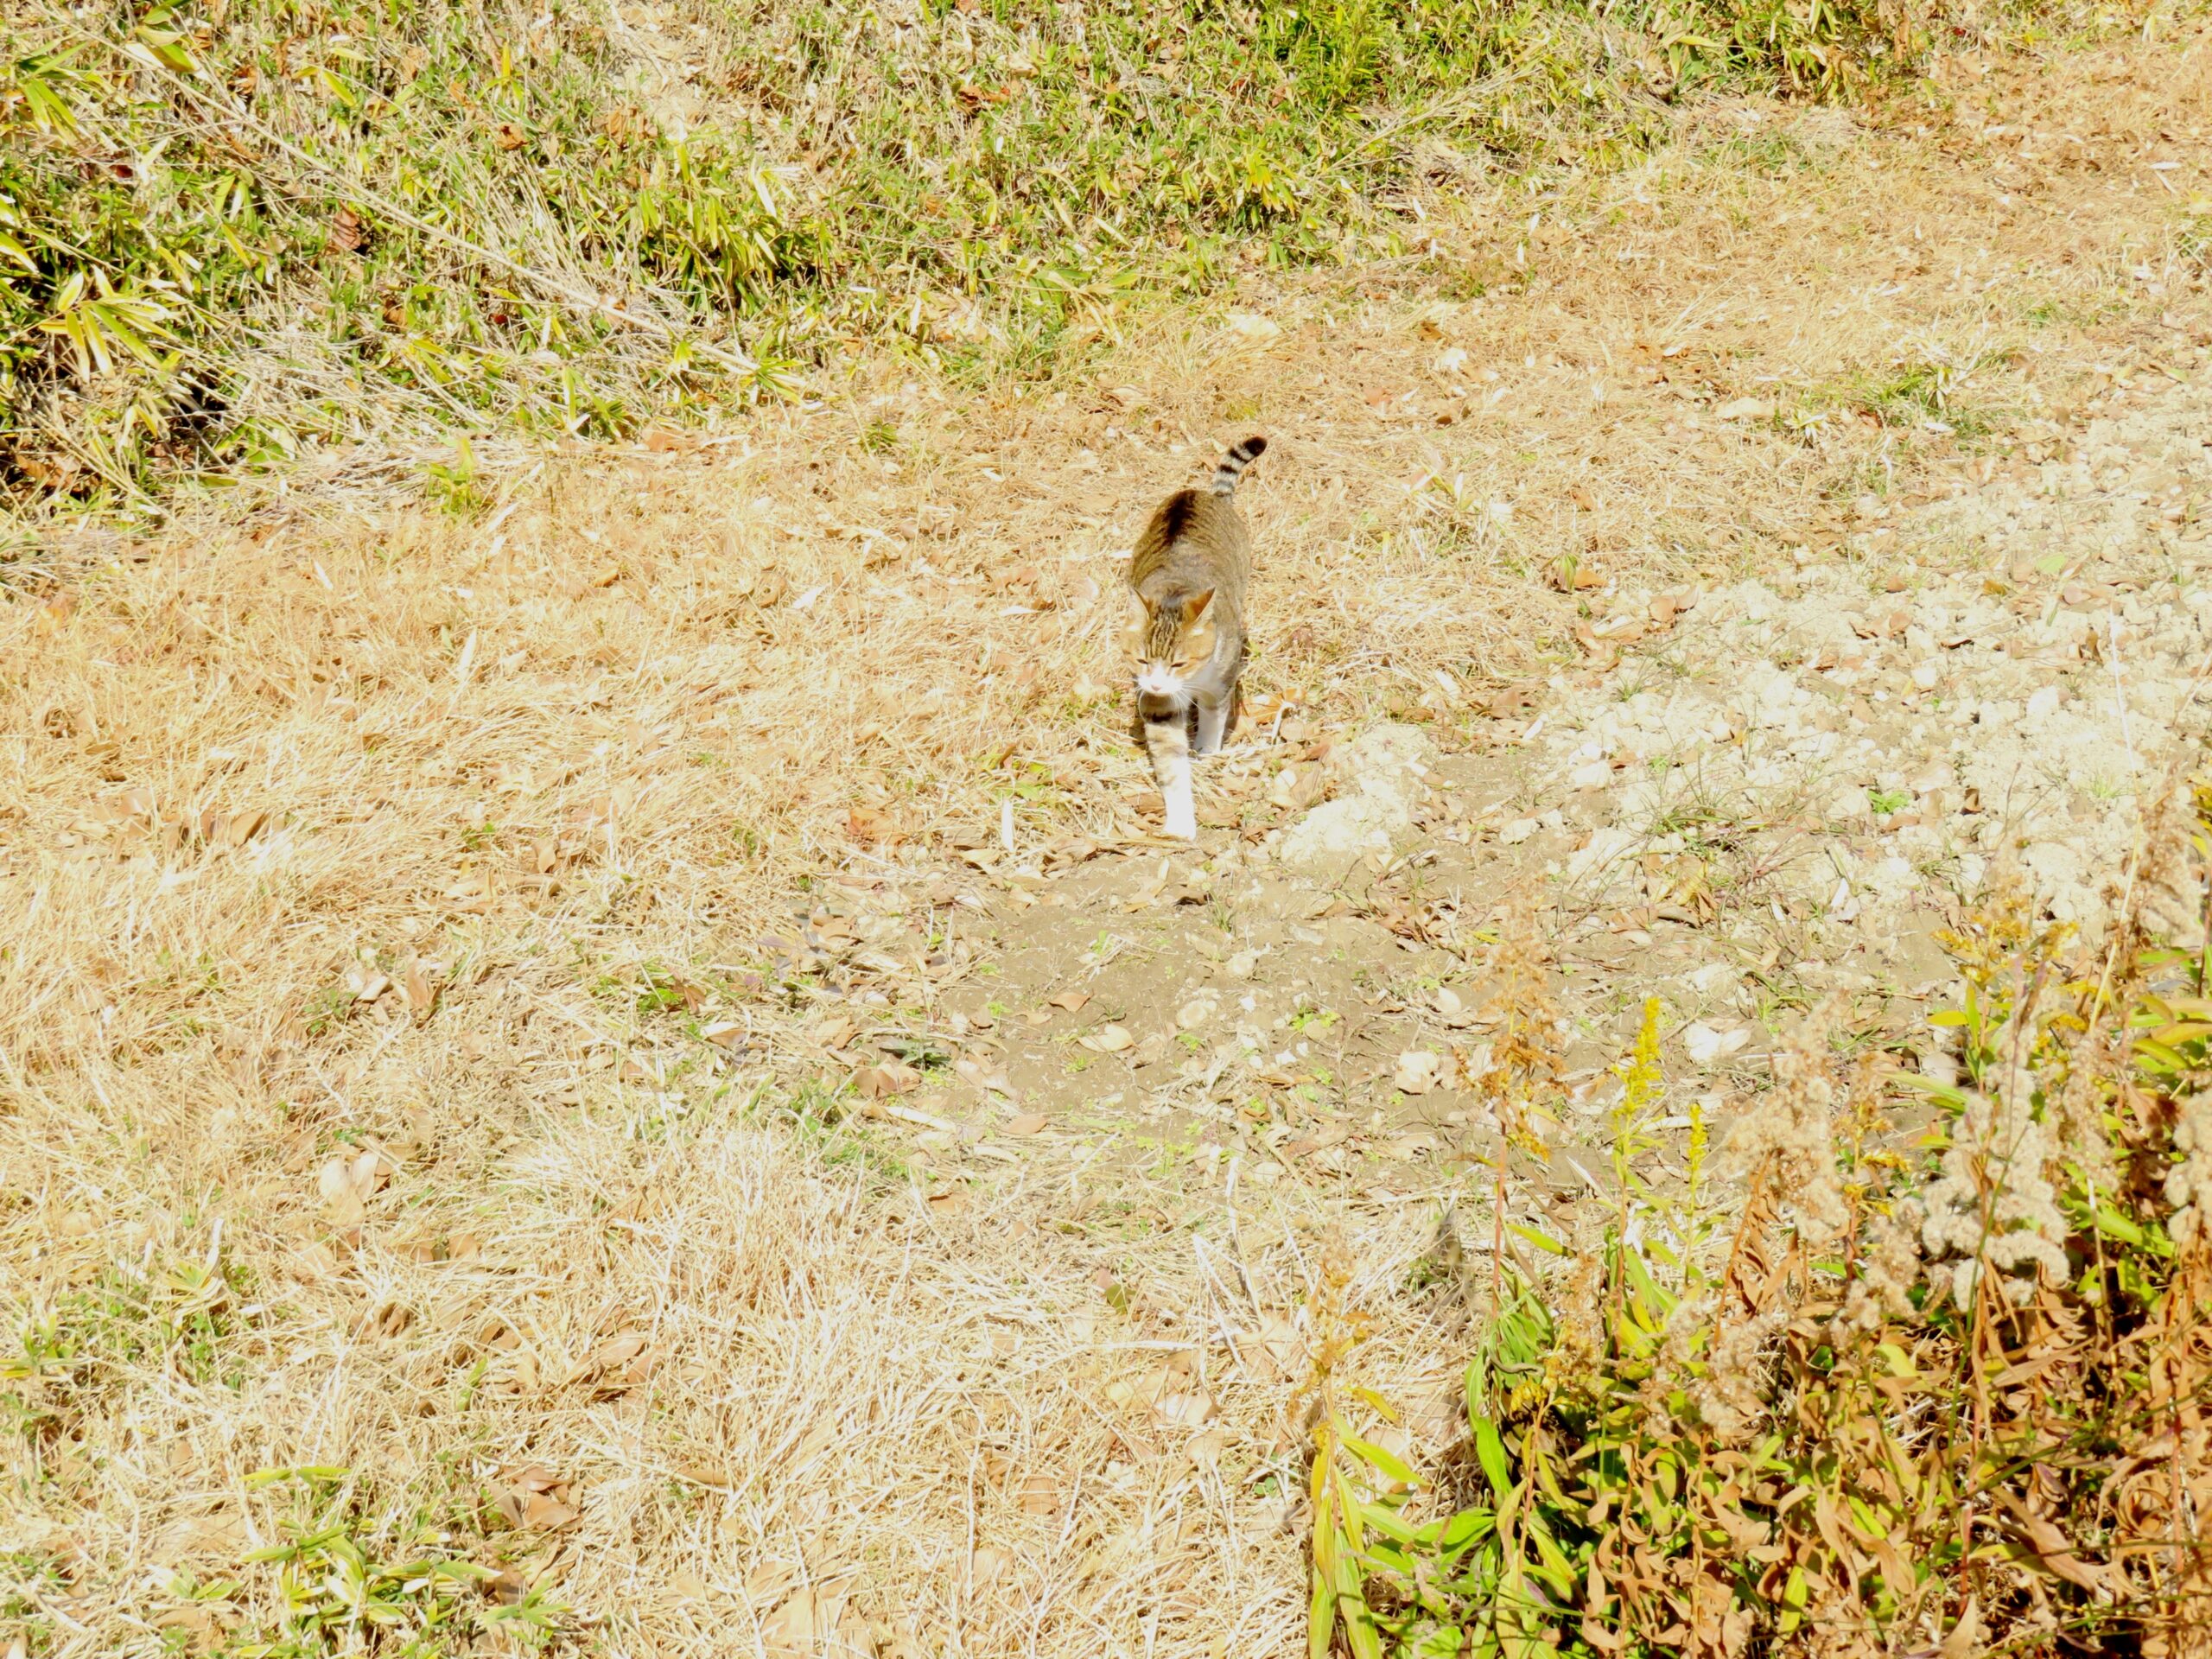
(1950, 1398)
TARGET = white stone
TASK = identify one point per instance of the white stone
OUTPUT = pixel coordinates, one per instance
(1379, 784)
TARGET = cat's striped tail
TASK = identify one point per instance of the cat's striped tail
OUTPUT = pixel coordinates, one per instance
(1233, 464)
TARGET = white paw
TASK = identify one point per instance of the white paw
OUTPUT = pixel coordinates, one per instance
(1183, 826)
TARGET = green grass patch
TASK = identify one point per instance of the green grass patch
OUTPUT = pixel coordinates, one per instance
(230, 233)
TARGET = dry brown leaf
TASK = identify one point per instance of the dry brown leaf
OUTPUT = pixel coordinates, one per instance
(1071, 1001)
(1106, 1039)
(974, 1071)
(1028, 1123)
(949, 1201)
(889, 1078)
(1185, 1408)
(1274, 1348)
(365, 983)
(1416, 1072)
(870, 825)
(347, 1183)
(702, 1471)
(534, 1499)
(420, 990)
(1297, 787)
(543, 1512)
(621, 1363)
(1040, 1494)
(790, 1632)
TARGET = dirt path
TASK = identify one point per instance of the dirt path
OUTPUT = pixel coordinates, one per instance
(1782, 791)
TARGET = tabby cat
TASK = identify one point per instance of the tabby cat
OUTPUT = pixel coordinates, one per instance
(1186, 626)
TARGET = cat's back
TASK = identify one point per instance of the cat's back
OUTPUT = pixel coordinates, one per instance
(1193, 534)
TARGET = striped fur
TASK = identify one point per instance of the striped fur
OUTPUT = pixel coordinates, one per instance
(1186, 627)
(1233, 463)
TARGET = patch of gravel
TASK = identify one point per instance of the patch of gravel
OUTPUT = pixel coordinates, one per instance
(1923, 722)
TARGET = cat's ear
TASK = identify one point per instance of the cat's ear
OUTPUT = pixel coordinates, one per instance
(1196, 606)
(1136, 614)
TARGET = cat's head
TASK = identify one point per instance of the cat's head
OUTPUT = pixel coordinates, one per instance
(1169, 641)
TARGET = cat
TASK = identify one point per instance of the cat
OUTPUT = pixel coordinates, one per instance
(1185, 628)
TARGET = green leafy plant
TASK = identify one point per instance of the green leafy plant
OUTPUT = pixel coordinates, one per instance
(230, 233)
(1925, 1398)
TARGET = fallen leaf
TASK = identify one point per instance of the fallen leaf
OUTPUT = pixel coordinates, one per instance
(795, 1630)
(1195, 1013)
(618, 1364)
(510, 136)
(365, 983)
(1705, 1045)
(547, 1514)
(891, 1077)
(1297, 787)
(420, 990)
(973, 1071)
(990, 1563)
(1186, 1408)
(1274, 1347)
(534, 1499)
(1250, 326)
(346, 234)
(1040, 1494)
(1028, 1123)
(1106, 1039)
(703, 1472)
(1745, 409)
(1071, 1001)
(1416, 1072)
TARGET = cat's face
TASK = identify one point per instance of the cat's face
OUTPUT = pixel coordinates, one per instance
(1168, 645)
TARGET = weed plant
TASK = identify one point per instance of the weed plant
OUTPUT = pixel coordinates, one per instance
(1947, 1398)
(230, 230)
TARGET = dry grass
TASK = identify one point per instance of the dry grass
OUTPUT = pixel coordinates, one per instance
(549, 767)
